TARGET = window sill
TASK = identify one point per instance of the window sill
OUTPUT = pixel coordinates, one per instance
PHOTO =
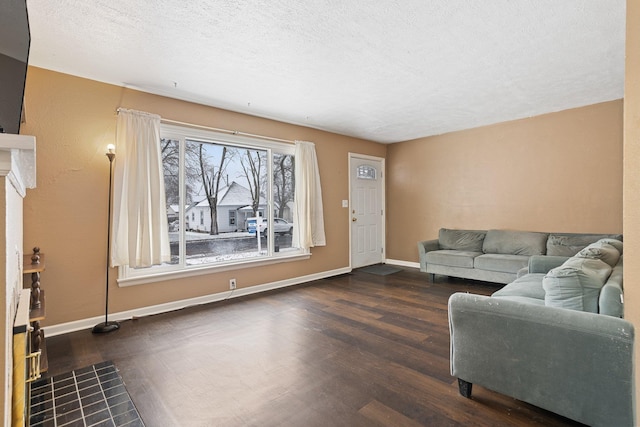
(202, 270)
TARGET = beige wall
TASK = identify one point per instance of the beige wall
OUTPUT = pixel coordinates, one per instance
(632, 175)
(555, 172)
(73, 120)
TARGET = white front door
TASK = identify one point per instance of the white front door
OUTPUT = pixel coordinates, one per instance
(366, 209)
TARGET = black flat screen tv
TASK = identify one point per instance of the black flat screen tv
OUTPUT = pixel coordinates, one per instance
(15, 40)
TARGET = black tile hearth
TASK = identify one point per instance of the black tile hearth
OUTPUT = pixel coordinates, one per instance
(87, 397)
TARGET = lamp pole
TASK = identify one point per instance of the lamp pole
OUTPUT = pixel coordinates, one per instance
(108, 326)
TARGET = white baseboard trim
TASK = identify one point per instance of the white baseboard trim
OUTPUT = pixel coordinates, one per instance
(77, 325)
(402, 263)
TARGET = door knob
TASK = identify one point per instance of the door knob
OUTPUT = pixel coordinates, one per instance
(354, 219)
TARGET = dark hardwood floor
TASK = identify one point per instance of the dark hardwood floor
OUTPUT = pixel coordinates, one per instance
(353, 350)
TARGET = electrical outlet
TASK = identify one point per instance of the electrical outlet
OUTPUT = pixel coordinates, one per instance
(232, 284)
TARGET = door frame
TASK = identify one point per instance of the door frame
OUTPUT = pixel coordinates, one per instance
(383, 203)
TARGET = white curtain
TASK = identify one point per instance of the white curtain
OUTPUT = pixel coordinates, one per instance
(140, 235)
(308, 198)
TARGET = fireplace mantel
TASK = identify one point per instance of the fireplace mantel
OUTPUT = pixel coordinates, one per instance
(18, 161)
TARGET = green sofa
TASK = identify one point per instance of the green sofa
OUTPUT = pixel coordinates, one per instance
(554, 338)
(498, 256)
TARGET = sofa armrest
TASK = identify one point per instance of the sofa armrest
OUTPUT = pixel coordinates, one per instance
(424, 247)
(611, 300)
(428, 245)
(544, 263)
(576, 364)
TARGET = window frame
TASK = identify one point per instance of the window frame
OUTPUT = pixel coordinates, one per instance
(129, 276)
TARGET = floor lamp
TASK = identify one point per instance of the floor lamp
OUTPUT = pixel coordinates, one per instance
(108, 326)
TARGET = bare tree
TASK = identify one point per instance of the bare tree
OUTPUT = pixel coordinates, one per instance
(212, 175)
(251, 163)
(283, 181)
(170, 153)
(192, 172)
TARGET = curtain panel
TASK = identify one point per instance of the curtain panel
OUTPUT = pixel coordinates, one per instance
(308, 198)
(140, 231)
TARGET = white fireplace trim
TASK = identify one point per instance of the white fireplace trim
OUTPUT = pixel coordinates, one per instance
(18, 161)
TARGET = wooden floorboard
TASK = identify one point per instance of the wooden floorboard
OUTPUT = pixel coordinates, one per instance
(352, 350)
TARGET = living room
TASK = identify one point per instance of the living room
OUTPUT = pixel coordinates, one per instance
(574, 170)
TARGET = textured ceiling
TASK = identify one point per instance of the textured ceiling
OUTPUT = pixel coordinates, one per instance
(384, 70)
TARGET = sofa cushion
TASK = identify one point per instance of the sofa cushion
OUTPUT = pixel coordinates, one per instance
(462, 240)
(515, 242)
(501, 262)
(602, 251)
(452, 258)
(529, 286)
(570, 244)
(613, 242)
(576, 284)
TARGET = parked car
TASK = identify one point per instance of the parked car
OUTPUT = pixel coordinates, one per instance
(280, 226)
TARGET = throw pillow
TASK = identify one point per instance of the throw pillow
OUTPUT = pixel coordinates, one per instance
(613, 242)
(602, 251)
(576, 284)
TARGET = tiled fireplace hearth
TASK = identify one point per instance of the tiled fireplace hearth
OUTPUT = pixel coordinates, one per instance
(92, 396)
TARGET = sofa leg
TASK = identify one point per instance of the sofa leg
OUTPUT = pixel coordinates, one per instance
(433, 277)
(465, 388)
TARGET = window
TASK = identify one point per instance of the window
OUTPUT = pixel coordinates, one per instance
(237, 185)
(366, 172)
